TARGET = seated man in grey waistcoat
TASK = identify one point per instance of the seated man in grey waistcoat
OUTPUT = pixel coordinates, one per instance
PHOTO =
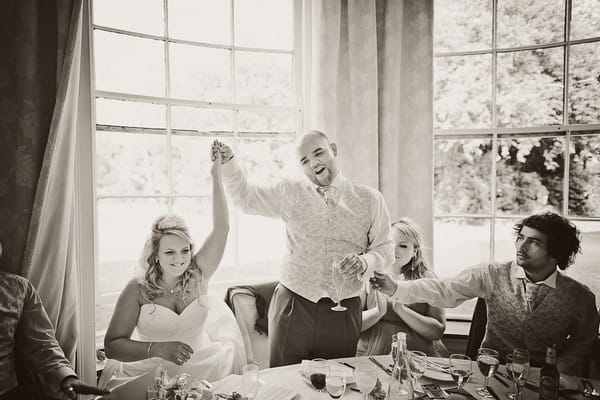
(329, 220)
(530, 302)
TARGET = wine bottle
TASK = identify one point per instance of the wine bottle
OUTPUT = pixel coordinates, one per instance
(549, 376)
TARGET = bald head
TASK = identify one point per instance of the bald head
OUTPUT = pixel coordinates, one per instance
(318, 157)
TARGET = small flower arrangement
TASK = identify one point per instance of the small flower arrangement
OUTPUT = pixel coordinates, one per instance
(179, 388)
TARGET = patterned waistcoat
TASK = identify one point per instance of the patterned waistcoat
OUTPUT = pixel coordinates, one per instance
(511, 324)
(318, 234)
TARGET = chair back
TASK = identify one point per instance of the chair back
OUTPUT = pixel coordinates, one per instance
(477, 330)
(243, 300)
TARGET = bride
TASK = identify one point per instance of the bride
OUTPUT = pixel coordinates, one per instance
(168, 306)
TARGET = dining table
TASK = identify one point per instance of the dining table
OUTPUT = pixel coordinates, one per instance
(291, 377)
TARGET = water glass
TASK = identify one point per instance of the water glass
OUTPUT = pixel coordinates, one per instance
(487, 361)
(335, 382)
(250, 381)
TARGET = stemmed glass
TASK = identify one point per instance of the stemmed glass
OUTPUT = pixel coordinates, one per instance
(418, 365)
(335, 382)
(366, 377)
(318, 372)
(517, 365)
(338, 282)
(460, 368)
(487, 361)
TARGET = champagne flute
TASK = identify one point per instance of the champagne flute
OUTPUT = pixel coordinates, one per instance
(366, 377)
(318, 372)
(488, 361)
(338, 283)
(518, 368)
(460, 368)
(335, 382)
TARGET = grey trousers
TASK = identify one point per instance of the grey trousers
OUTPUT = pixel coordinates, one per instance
(300, 329)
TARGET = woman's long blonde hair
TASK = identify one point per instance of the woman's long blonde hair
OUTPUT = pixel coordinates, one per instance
(168, 224)
(417, 266)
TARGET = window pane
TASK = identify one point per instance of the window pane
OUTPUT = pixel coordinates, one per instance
(585, 19)
(462, 176)
(461, 25)
(268, 159)
(129, 113)
(202, 119)
(264, 23)
(529, 175)
(121, 237)
(504, 240)
(129, 163)
(126, 15)
(200, 73)
(261, 244)
(463, 92)
(584, 84)
(207, 21)
(264, 78)
(527, 23)
(190, 158)
(530, 88)
(129, 64)
(460, 243)
(584, 176)
(266, 121)
(585, 269)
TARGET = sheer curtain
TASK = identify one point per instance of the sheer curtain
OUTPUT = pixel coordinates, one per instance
(370, 86)
(37, 186)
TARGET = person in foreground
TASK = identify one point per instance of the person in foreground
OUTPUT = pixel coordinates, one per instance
(329, 220)
(530, 304)
(168, 306)
(28, 332)
(424, 324)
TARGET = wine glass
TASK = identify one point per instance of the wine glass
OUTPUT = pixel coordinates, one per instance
(487, 361)
(517, 365)
(366, 377)
(460, 368)
(418, 363)
(318, 371)
(338, 283)
(335, 382)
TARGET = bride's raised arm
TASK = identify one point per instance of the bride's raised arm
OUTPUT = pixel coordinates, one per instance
(210, 254)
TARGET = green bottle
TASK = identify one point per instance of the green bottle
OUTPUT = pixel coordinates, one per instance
(549, 376)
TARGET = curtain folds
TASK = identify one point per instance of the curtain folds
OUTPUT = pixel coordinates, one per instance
(44, 72)
(371, 90)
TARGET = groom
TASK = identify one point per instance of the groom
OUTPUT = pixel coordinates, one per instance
(328, 219)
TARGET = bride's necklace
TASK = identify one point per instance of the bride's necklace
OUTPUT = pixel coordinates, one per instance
(176, 292)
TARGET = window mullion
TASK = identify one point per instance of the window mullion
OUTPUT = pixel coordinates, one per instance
(168, 109)
(495, 132)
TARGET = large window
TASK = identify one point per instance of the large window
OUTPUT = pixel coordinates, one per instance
(170, 77)
(516, 126)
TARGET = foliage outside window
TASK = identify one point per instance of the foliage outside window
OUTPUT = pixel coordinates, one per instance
(166, 86)
(516, 127)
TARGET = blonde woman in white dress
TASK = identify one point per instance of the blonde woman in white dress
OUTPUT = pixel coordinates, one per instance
(168, 306)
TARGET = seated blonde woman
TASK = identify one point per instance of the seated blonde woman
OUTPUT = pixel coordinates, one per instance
(424, 325)
(168, 306)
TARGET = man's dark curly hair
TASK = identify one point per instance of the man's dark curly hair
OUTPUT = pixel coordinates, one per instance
(564, 239)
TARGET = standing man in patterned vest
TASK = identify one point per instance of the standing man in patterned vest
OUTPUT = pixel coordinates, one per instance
(328, 219)
(530, 303)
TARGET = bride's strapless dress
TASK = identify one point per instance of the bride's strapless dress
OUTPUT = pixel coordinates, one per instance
(206, 324)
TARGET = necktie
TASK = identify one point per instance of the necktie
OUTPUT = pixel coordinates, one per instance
(534, 294)
(327, 192)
